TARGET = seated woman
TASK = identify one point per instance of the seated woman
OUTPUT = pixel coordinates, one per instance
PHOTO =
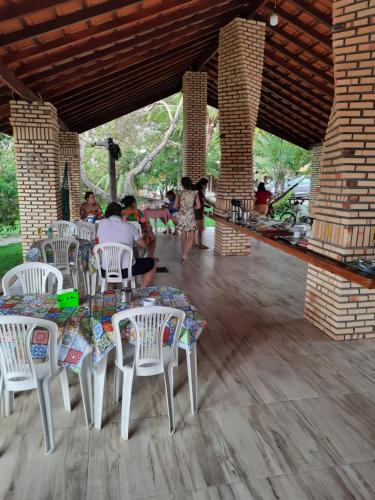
(90, 207)
(262, 197)
(171, 199)
(131, 213)
(113, 230)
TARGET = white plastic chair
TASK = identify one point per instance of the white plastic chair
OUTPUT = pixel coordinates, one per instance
(86, 230)
(34, 278)
(109, 256)
(19, 372)
(64, 228)
(61, 249)
(137, 226)
(151, 357)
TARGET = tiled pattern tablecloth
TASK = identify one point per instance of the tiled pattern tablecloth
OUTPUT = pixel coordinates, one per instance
(86, 261)
(82, 331)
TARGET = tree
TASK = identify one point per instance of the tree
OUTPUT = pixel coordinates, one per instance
(138, 135)
(8, 183)
(278, 159)
(146, 163)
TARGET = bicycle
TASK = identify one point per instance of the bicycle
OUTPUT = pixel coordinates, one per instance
(296, 212)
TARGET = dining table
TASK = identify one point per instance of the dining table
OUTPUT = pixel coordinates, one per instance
(86, 335)
(86, 260)
(155, 214)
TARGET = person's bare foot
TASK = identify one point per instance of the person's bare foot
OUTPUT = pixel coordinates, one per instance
(202, 247)
(184, 259)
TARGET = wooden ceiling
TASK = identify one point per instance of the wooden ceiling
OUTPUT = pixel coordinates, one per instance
(96, 60)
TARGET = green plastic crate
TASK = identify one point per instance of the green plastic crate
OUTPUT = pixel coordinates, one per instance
(69, 298)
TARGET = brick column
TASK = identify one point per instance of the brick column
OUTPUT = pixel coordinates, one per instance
(344, 210)
(194, 126)
(36, 144)
(316, 155)
(70, 153)
(241, 56)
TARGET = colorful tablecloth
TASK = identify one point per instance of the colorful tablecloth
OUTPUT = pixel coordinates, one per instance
(88, 328)
(86, 260)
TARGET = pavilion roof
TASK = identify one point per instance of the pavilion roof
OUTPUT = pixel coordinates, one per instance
(96, 60)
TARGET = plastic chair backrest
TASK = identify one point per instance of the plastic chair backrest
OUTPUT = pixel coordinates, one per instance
(64, 228)
(33, 277)
(149, 324)
(137, 226)
(85, 230)
(61, 248)
(109, 255)
(16, 364)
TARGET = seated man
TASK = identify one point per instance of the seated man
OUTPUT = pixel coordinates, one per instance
(113, 230)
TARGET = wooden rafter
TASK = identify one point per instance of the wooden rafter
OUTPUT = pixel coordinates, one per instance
(135, 35)
(16, 10)
(213, 49)
(316, 14)
(19, 88)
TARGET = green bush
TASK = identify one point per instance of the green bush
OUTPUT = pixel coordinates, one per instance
(9, 215)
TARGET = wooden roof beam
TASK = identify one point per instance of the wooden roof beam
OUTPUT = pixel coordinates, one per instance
(304, 47)
(19, 88)
(149, 13)
(293, 99)
(303, 27)
(131, 37)
(321, 99)
(18, 10)
(294, 71)
(304, 64)
(121, 87)
(117, 100)
(96, 76)
(109, 114)
(316, 14)
(102, 84)
(61, 22)
(213, 50)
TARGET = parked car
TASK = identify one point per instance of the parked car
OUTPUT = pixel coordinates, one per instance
(300, 191)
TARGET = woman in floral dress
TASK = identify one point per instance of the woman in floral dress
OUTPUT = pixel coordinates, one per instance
(186, 201)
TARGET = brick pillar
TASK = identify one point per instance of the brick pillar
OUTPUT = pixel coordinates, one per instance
(36, 144)
(70, 153)
(194, 128)
(316, 155)
(344, 209)
(241, 56)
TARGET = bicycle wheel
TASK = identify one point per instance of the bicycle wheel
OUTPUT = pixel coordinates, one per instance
(289, 218)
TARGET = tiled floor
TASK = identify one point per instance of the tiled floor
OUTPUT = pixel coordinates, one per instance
(285, 412)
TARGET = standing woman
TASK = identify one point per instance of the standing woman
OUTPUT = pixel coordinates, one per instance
(186, 201)
(262, 197)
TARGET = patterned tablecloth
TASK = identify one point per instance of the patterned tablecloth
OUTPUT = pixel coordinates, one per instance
(86, 260)
(88, 328)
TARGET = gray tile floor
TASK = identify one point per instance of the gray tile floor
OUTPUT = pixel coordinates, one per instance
(285, 412)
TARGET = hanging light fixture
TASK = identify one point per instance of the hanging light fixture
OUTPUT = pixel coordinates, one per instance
(274, 19)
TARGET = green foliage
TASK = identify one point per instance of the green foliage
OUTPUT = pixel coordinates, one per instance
(278, 159)
(8, 183)
(10, 256)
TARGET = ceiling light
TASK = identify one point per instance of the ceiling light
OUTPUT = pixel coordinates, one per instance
(274, 19)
